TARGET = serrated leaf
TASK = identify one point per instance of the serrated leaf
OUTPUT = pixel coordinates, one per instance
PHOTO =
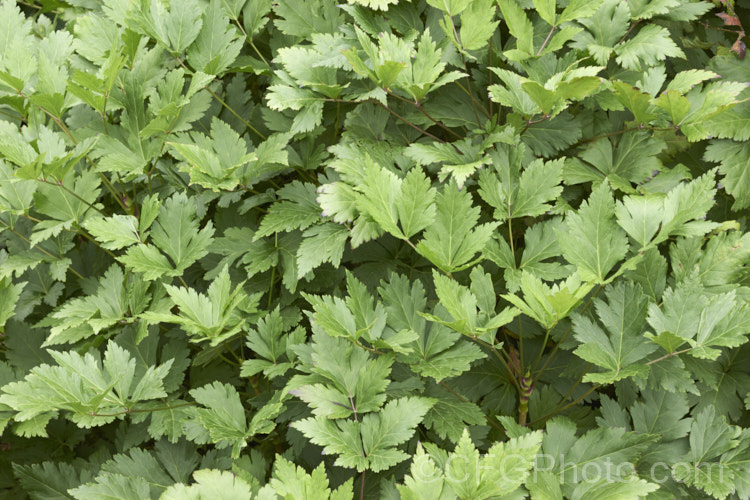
(519, 26)
(217, 45)
(733, 158)
(651, 45)
(115, 232)
(477, 25)
(454, 238)
(502, 470)
(592, 241)
(323, 243)
(371, 443)
(222, 485)
(620, 351)
(176, 232)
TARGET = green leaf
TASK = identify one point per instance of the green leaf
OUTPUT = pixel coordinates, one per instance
(733, 159)
(415, 207)
(684, 204)
(458, 301)
(74, 203)
(449, 416)
(549, 136)
(379, 192)
(298, 210)
(269, 342)
(604, 29)
(213, 162)
(293, 482)
(592, 241)
(323, 243)
(722, 323)
(663, 413)
(515, 193)
(476, 24)
(372, 443)
(146, 259)
(503, 469)
(113, 486)
(640, 217)
(520, 27)
(380, 175)
(544, 486)
(426, 480)
(49, 480)
(222, 485)
(460, 159)
(620, 351)
(709, 438)
(254, 15)
(217, 45)
(176, 232)
(115, 298)
(546, 10)
(215, 316)
(633, 160)
(599, 446)
(538, 185)
(110, 385)
(176, 28)
(548, 305)
(731, 124)
(9, 295)
(223, 415)
(349, 381)
(450, 7)
(302, 18)
(637, 102)
(138, 464)
(115, 232)
(603, 488)
(649, 46)
(454, 238)
(579, 9)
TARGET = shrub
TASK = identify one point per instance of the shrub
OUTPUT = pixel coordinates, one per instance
(388, 249)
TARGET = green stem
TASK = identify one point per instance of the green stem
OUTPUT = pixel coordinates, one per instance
(490, 420)
(565, 336)
(229, 108)
(424, 112)
(624, 131)
(252, 44)
(144, 410)
(471, 96)
(86, 235)
(502, 360)
(466, 69)
(546, 40)
(37, 247)
(560, 409)
(412, 125)
(670, 355)
(541, 350)
(221, 101)
(74, 194)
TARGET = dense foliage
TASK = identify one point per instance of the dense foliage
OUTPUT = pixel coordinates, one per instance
(388, 249)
